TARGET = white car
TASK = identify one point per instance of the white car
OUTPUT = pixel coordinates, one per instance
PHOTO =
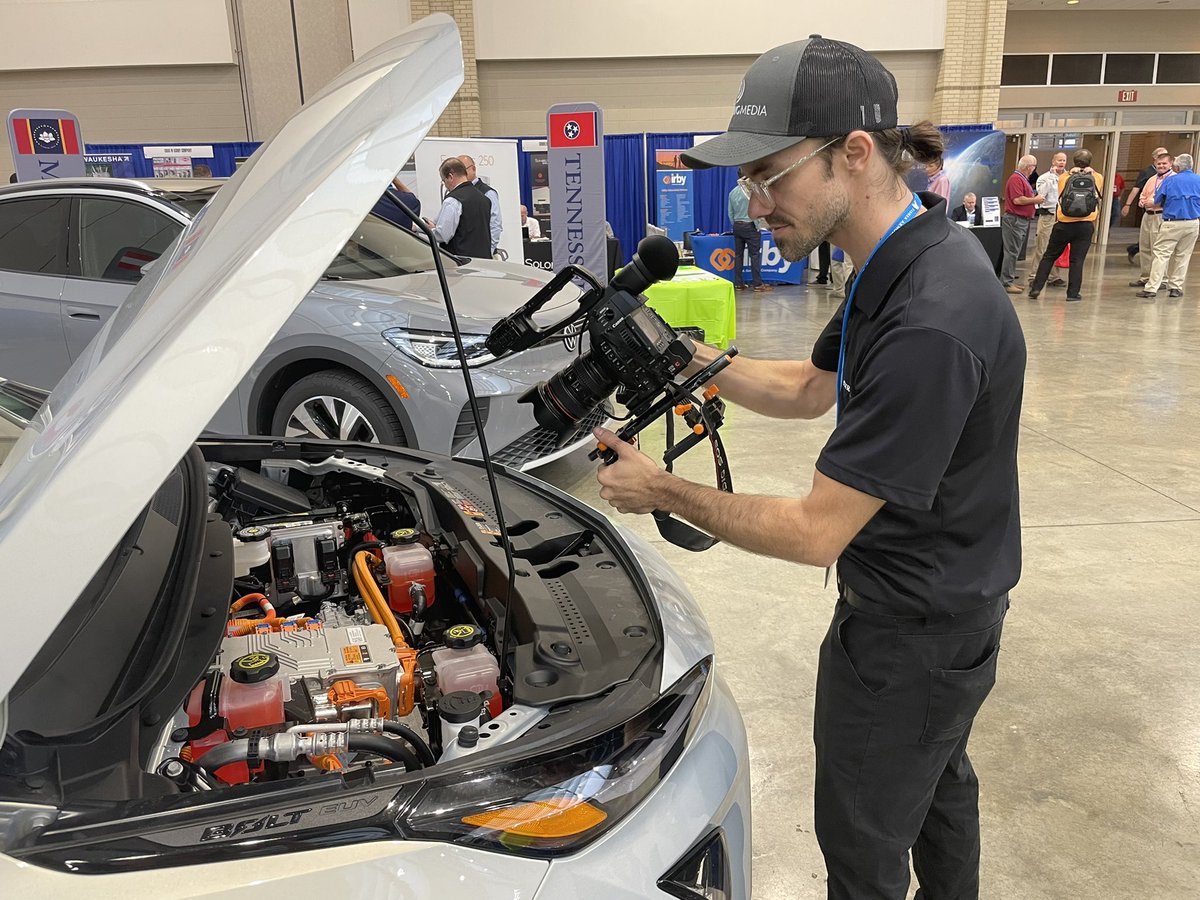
(238, 666)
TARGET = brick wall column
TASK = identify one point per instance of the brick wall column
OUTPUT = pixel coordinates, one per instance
(462, 117)
(968, 85)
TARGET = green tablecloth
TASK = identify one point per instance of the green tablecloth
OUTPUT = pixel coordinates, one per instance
(697, 298)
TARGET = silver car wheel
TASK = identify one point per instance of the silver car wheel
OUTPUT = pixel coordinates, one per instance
(330, 418)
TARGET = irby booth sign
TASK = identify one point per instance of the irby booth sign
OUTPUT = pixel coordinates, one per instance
(715, 253)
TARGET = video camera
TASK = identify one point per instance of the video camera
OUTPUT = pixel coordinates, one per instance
(633, 353)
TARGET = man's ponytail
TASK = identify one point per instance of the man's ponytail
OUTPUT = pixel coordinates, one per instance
(902, 147)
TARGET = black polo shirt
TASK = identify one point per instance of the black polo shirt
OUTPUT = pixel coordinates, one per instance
(931, 404)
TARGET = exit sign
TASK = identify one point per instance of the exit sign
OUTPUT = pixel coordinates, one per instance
(1127, 96)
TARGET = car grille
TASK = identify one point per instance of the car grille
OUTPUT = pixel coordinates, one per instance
(541, 442)
(464, 428)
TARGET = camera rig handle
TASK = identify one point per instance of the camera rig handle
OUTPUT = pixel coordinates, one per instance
(703, 417)
(516, 332)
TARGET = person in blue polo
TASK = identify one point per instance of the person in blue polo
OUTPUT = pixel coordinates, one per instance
(746, 239)
(914, 496)
(1179, 197)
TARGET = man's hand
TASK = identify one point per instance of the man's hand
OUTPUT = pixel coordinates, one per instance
(633, 483)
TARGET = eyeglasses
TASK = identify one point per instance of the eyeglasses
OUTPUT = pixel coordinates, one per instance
(762, 189)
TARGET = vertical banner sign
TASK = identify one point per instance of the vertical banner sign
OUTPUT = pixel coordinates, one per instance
(575, 140)
(46, 143)
(673, 191)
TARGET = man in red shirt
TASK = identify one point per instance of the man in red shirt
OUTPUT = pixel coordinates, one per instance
(1020, 204)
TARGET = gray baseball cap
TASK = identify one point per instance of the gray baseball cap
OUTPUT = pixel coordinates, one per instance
(812, 88)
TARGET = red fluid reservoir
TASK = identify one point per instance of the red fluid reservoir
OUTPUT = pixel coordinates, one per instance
(408, 564)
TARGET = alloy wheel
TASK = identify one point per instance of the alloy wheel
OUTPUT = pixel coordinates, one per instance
(330, 418)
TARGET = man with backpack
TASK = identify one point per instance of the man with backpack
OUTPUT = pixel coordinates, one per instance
(1079, 193)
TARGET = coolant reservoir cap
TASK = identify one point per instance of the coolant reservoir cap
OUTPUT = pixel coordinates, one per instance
(404, 535)
(460, 707)
(462, 637)
(254, 667)
(252, 533)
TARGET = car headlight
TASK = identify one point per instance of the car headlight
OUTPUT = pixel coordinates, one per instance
(436, 348)
(558, 801)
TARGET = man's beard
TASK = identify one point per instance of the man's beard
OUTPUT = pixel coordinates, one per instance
(801, 240)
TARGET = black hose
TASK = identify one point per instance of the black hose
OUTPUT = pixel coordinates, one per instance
(413, 738)
(362, 545)
(385, 747)
(223, 755)
(409, 637)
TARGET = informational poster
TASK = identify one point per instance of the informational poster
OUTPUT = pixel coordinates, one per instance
(172, 166)
(495, 165)
(991, 210)
(575, 136)
(674, 192)
(539, 163)
(46, 143)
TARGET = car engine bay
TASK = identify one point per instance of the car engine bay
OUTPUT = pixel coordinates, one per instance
(363, 628)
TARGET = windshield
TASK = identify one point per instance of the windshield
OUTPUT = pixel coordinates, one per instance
(17, 407)
(191, 202)
(382, 249)
(378, 248)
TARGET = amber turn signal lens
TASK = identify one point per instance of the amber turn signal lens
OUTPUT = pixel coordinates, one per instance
(397, 386)
(559, 817)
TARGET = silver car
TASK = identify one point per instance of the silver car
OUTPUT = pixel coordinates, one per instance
(367, 356)
(254, 666)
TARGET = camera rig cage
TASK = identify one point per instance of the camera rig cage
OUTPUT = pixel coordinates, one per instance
(633, 339)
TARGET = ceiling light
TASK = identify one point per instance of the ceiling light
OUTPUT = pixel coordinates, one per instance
(1072, 2)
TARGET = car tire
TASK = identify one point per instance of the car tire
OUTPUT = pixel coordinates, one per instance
(336, 405)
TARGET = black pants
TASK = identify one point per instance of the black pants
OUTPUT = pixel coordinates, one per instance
(823, 262)
(896, 698)
(1079, 236)
(746, 236)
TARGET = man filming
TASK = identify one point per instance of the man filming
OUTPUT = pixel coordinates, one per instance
(914, 496)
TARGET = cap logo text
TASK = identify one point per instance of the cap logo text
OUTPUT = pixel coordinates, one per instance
(750, 109)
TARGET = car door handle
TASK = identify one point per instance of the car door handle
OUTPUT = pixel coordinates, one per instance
(84, 314)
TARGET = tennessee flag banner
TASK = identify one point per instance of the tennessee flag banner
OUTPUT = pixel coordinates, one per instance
(575, 165)
(572, 129)
(46, 143)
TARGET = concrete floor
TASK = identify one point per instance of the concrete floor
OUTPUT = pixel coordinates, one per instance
(1088, 749)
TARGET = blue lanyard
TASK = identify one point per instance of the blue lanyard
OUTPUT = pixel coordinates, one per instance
(910, 213)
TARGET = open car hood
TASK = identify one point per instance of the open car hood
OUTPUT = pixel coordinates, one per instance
(155, 375)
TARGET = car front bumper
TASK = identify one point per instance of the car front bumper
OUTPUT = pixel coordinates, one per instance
(708, 788)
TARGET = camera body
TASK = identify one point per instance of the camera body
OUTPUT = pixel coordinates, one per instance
(633, 352)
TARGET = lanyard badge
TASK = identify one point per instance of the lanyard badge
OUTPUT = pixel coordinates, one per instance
(910, 213)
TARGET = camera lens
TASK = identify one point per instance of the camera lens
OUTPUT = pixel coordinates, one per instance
(560, 403)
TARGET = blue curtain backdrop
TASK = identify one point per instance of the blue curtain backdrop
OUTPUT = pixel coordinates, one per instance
(221, 162)
(625, 190)
(712, 185)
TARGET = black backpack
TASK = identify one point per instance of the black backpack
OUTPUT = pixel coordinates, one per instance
(1080, 198)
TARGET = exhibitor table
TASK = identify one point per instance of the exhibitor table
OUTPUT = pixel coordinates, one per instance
(993, 244)
(700, 299)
